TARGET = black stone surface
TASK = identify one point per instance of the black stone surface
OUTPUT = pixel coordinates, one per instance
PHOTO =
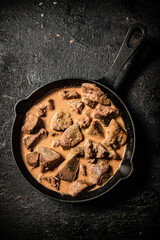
(32, 54)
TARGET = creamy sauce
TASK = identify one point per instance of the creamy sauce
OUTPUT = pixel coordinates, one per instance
(62, 105)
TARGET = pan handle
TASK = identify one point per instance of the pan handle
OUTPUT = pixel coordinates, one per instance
(125, 52)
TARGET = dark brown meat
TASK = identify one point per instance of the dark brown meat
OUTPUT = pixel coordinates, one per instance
(101, 151)
(77, 151)
(100, 172)
(89, 102)
(84, 121)
(115, 136)
(76, 106)
(83, 169)
(68, 169)
(105, 113)
(95, 129)
(89, 151)
(54, 181)
(111, 152)
(31, 124)
(78, 187)
(49, 159)
(67, 94)
(41, 111)
(31, 140)
(50, 105)
(92, 92)
(71, 137)
(33, 159)
(56, 143)
(61, 121)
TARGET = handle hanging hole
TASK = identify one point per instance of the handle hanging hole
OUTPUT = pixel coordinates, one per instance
(134, 38)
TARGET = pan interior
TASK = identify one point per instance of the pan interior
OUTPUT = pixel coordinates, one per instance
(24, 105)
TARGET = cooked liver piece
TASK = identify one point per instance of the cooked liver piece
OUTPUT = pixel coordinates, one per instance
(33, 159)
(78, 187)
(83, 169)
(61, 121)
(95, 128)
(115, 136)
(84, 121)
(71, 137)
(77, 151)
(31, 124)
(56, 143)
(50, 105)
(49, 159)
(31, 140)
(70, 94)
(105, 113)
(89, 151)
(89, 102)
(76, 106)
(101, 151)
(112, 153)
(68, 169)
(99, 172)
(41, 111)
(92, 92)
(54, 181)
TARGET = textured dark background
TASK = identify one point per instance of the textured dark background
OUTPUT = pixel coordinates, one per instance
(32, 54)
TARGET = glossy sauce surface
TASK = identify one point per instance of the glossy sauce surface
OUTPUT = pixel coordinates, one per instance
(62, 105)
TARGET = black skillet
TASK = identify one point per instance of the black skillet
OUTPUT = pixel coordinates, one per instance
(126, 166)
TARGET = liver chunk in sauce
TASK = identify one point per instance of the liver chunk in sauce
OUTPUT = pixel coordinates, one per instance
(71, 137)
(54, 181)
(31, 140)
(50, 105)
(89, 102)
(105, 113)
(42, 110)
(94, 93)
(112, 153)
(78, 187)
(99, 172)
(61, 121)
(67, 94)
(76, 106)
(69, 168)
(83, 169)
(89, 151)
(95, 129)
(100, 151)
(77, 151)
(49, 159)
(31, 124)
(84, 121)
(33, 159)
(115, 136)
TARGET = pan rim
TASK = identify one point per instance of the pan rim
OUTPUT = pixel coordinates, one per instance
(133, 146)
